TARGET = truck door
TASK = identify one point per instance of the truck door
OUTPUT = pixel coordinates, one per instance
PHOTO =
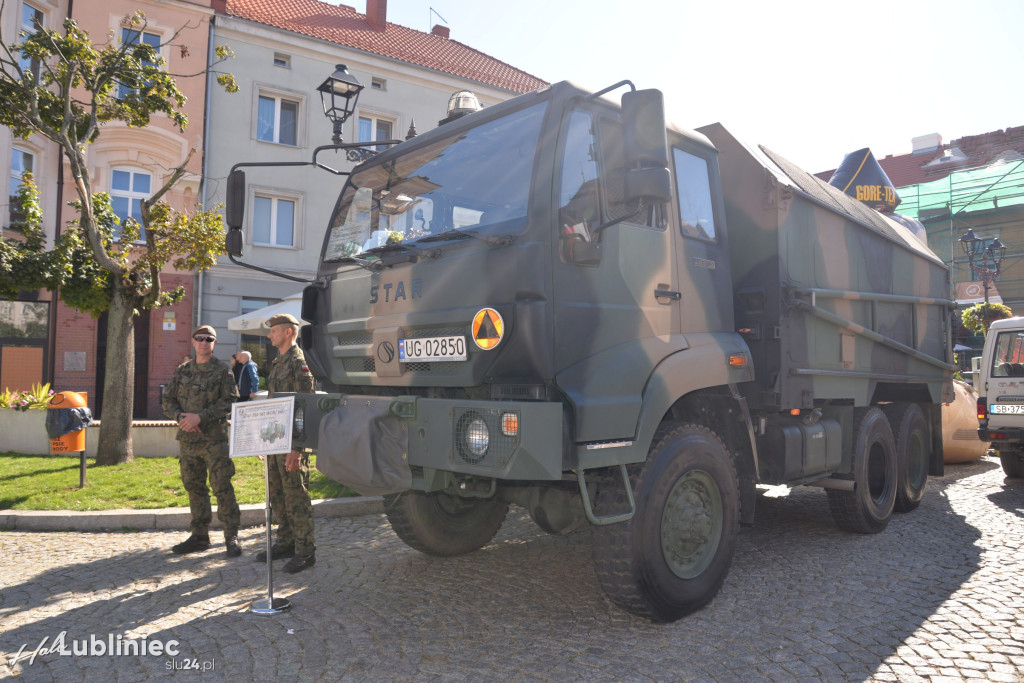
(701, 252)
(614, 304)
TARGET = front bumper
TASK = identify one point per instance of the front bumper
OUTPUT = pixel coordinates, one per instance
(432, 434)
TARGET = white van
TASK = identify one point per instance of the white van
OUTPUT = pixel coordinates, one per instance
(1000, 385)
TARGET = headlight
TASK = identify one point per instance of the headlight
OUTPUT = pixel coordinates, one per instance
(478, 438)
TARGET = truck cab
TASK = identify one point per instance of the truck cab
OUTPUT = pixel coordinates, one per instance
(1000, 387)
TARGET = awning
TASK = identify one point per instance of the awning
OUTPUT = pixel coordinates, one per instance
(970, 293)
(255, 321)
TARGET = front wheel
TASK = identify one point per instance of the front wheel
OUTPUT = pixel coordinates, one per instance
(671, 558)
(442, 524)
(1013, 464)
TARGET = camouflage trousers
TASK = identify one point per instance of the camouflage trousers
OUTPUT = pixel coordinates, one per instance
(196, 460)
(289, 501)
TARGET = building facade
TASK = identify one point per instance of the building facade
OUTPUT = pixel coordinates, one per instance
(283, 51)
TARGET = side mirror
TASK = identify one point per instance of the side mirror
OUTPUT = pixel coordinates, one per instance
(646, 147)
(234, 210)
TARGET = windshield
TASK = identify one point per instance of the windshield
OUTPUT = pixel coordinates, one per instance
(478, 178)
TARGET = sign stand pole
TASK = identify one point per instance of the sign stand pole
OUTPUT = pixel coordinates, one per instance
(270, 605)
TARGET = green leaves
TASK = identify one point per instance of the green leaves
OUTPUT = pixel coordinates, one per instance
(977, 318)
(79, 86)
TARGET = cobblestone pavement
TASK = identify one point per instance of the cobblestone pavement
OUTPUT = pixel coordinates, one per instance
(938, 595)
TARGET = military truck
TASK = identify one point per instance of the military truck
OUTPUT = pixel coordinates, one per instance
(560, 302)
(1000, 384)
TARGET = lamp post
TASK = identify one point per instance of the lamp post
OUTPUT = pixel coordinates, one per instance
(339, 94)
(993, 253)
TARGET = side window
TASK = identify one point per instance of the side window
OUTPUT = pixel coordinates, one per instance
(277, 120)
(694, 189)
(578, 198)
(1008, 356)
(273, 221)
(127, 190)
(21, 161)
(132, 37)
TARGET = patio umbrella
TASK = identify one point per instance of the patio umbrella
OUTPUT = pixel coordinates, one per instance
(256, 321)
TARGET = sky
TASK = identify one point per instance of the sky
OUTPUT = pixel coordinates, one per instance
(811, 80)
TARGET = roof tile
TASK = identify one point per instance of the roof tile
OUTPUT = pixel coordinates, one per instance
(341, 24)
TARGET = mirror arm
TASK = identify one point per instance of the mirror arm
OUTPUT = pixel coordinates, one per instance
(267, 270)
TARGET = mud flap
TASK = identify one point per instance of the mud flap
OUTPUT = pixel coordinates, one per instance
(364, 447)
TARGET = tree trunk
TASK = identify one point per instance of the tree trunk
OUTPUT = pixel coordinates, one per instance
(115, 444)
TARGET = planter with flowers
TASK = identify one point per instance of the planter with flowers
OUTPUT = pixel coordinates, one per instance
(23, 419)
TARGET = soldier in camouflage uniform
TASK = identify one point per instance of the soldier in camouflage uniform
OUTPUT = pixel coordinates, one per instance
(289, 473)
(199, 399)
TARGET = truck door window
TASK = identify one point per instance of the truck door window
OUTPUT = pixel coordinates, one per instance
(693, 186)
(579, 203)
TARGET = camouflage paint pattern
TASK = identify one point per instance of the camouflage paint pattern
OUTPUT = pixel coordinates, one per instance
(643, 328)
(207, 389)
(198, 460)
(289, 491)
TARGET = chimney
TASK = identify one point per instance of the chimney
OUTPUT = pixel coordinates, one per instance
(442, 31)
(926, 143)
(377, 14)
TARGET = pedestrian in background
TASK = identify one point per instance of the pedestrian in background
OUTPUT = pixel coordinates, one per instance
(199, 399)
(289, 473)
(248, 380)
(236, 368)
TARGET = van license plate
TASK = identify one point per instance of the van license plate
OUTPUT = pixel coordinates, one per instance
(1004, 409)
(431, 349)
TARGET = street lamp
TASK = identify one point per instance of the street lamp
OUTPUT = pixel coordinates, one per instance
(994, 253)
(338, 94)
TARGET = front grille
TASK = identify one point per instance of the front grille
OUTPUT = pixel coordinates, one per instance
(365, 364)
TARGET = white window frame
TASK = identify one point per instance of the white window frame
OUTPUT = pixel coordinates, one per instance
(130, 194)
(33, 66)
(276, 195)
(15, 178)
(277, 95)
(123, 90)
(282, 60)
(374, 117)
(377, 83)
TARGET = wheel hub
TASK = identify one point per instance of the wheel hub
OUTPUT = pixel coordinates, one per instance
(691, 524)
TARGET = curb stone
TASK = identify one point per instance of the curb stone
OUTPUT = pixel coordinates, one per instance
(168, 518)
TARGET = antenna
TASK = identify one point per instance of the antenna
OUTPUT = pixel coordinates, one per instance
(430, 17)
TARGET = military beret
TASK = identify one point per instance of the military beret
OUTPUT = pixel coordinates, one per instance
(205, 329)
(282, 319)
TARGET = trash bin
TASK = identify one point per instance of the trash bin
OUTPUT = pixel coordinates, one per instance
(66, 419)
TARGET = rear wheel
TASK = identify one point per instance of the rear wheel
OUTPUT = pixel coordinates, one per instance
(442, 524)
(1013, 464)
(867, 509)
(913, 451)
(671, 558)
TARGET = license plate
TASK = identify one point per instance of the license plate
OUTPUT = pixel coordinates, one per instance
(1005, 409)
(431, 349)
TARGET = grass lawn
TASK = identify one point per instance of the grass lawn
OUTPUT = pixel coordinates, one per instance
(50, 482)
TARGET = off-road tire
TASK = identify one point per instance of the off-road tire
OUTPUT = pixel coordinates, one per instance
(912, 435)
(1013, 464)
(688, 484)
(442, 524)
(868, 508)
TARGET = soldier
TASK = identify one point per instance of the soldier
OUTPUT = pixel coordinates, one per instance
(199, 399)
(289, 474)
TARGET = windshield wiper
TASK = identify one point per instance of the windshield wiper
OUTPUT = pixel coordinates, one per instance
(372, 266)
(493, 240)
